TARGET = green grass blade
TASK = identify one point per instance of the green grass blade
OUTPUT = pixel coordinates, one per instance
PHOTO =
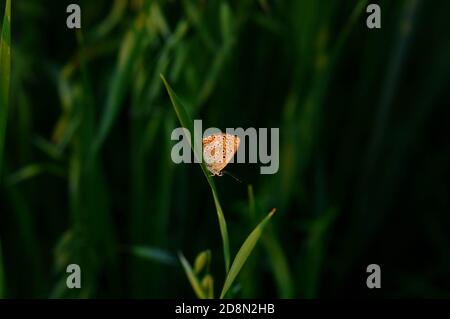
(154, 254)
(32, 170)
(251, 202)
(280, 266)
(192, 277)
(131, 48)
(5, 70)
(277, 257)
(118, 8)
(186, 122)
(243, 253)
(223, 226)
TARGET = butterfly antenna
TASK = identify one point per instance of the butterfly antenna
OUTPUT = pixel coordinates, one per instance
(229, 174)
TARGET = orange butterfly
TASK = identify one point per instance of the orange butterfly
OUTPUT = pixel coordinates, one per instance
(218, 150)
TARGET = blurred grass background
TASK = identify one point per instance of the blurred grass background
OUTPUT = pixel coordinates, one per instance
(364, 175)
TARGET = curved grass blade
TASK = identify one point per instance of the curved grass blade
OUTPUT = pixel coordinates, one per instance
(154, 254)
(277, 257)
(281, 271)
(32, 170)
(129, 51)
(5, 71)
(243, 253)
(192, 277)
(186, 122)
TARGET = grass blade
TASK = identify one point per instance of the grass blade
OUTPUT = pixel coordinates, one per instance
(280, 266)
(5, 71)
(153, 254)
(32, 170)
(186, 122)
(131, 48)
(192, 277)
(243, 253)
(277, 256)
(251, 202)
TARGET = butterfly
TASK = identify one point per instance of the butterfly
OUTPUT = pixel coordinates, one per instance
(218, 150)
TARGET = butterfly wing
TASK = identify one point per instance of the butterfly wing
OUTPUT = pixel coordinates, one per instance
(218, 150)
(211, 156)
(231, 145)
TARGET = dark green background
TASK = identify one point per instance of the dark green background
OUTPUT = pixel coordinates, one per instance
(364, 146)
